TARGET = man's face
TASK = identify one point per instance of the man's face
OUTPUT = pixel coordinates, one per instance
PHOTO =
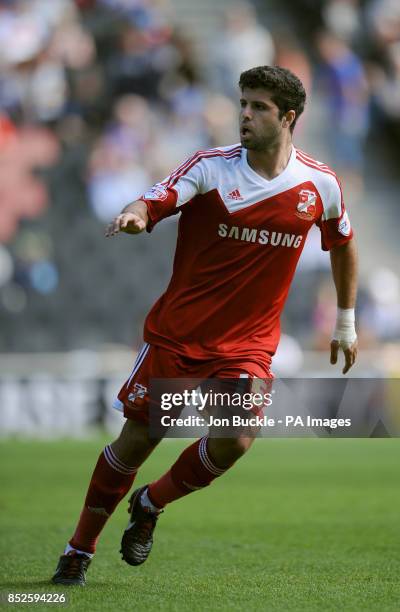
(260, 126)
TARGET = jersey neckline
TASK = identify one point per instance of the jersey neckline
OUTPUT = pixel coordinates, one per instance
(262, 179)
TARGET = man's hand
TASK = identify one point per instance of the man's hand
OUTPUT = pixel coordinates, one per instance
(127, 222)
(344, 270)
(350, 353)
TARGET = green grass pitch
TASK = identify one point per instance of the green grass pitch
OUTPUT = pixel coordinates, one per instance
(308, 524)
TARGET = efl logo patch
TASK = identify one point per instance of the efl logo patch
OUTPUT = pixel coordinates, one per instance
(344, 226)
(158, 192)
(306, 207)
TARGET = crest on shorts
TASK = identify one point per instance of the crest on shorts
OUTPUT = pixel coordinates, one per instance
(157, 192)
(306, 205)
(139, 392)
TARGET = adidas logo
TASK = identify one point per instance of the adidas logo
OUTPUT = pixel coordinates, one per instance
(235, 195)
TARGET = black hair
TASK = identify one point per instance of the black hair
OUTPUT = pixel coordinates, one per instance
(286, 89)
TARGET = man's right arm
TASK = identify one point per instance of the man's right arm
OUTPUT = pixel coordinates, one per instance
(133, 219)
(162, 200)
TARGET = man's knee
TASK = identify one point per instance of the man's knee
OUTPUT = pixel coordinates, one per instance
(226, 451)
(133, 443)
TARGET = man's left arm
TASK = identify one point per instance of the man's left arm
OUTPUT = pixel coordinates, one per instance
(344, 272)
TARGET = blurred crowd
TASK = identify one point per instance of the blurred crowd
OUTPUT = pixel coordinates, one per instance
(101, 98)
(356, 45)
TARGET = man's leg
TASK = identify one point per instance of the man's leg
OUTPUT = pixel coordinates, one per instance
(195, 468)
(208, 457)
(112, 478)
(198, 465)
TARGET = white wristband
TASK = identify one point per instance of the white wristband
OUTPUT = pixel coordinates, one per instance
(345, 331)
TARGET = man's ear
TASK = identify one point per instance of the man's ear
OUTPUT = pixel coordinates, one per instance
(288, 118)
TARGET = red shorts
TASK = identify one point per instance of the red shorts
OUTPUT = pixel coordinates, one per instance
(156, 362)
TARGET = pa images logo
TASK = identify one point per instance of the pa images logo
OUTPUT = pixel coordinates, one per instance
(306, 206)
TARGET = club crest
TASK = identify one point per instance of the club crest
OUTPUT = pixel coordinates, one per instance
(139, 392)
(306, 206)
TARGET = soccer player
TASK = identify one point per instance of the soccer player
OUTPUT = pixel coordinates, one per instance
(245, 211)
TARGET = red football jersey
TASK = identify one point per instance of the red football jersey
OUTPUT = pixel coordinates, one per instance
(240, 238)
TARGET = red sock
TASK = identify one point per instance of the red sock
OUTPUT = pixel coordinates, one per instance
(193, 470)
(110, 482)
